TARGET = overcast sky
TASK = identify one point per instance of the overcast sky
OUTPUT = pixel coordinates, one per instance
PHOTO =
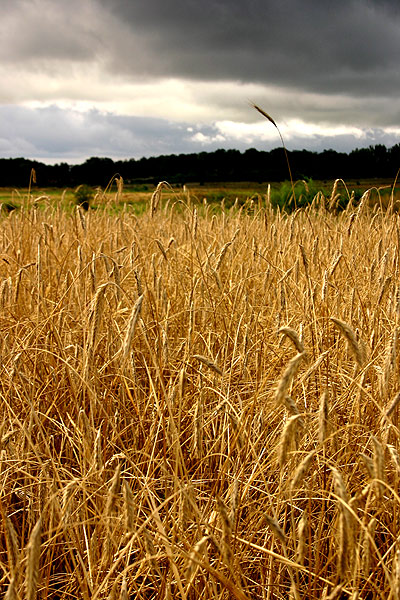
(132, 78)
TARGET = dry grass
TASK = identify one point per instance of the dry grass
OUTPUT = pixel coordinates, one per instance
(199, 406)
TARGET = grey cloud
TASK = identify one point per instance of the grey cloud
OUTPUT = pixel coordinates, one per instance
(330, 47)
(53, 134)
(39, 32)
(332, 61)
(62, 134)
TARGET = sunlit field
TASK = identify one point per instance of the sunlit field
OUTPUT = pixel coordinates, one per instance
(199, 403)
(137, 196)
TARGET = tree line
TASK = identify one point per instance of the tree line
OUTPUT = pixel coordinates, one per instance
(221, 165)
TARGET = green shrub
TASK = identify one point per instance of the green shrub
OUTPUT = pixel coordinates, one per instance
(83, 196)
(305, 191)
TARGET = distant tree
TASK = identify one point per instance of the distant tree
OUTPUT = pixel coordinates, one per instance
(219, 165)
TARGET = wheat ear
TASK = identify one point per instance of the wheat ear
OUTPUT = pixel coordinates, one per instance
(32, 566)
(288, 436)
(271, 120)
(302, 470)
(275, 527)
(287, 377)
(195, 555)
(209, 363)
(226, 532)
(294, 337)
(130, 507)
(13, 551)
(356, 349)
(113, 491)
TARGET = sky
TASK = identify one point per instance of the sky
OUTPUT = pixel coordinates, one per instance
(133, 78)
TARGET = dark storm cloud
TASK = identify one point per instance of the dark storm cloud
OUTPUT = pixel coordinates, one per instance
(325, 46)
(39, 32)
(337, 46)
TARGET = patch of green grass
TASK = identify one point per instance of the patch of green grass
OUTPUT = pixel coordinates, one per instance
(225, 195)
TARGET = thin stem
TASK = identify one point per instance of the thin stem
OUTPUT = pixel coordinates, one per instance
(271, 120)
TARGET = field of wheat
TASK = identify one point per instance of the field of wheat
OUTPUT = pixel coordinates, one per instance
(200, 405)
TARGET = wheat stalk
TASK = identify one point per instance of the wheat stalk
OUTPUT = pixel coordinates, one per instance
(11, 593)
(271, 120)
(130, 330)
(345, 524)
(379, 467)
(323, 417)
(301, 534)
(396, 573)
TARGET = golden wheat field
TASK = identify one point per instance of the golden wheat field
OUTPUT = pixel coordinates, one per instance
(200, 405)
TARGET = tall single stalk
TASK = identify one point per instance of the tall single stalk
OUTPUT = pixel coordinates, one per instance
(271, 120)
